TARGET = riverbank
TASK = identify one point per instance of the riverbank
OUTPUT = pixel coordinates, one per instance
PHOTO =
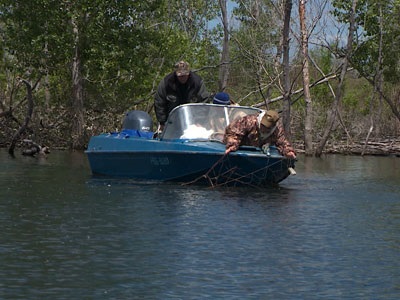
(381, 147)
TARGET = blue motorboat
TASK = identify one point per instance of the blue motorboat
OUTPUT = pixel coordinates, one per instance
(189, 150)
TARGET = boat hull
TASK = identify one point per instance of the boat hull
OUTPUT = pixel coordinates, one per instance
(184, 161)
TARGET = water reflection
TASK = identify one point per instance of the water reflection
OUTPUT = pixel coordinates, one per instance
(331, 231)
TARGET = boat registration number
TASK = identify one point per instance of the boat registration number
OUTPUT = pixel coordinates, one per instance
(159, 161)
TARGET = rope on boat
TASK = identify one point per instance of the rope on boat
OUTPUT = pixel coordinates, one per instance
(227, 175)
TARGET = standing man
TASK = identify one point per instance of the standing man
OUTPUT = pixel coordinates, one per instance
(258, 130)
(179, 87)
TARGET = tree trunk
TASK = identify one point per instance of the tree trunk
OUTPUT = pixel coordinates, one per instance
(331, 118)
(378, 81)
(28, 117)
(286, 67)
(47, 94)
(308, 146)
(77, 130)
(224, 68)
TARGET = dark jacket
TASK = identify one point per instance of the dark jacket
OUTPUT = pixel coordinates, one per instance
(171, 93)
(245, 131)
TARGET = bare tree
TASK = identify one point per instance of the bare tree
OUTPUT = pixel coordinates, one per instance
(224, 68)
(333, 112)
(28, 116)
(286, 66)
(77, 116)
(379, 78)
(308, 146)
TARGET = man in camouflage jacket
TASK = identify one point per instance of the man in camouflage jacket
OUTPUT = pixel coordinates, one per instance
(258, 130)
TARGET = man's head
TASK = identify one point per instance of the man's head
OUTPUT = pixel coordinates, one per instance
(269, 119)
(182, 71)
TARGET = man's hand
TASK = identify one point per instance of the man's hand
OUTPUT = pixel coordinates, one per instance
(291, 155)
(229, 149)
(160, 128)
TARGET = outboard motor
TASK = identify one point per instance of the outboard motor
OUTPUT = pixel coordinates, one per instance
(138, 120)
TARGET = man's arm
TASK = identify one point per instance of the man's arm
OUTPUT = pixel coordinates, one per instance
(160, 103)
(282, 142)
(234, 134)
(203, 94)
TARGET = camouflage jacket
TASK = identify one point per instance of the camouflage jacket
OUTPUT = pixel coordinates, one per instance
(245, 131)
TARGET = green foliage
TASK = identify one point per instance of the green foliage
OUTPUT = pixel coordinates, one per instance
(253, 49)
(358, 96)
(324, 59)
(375, 20)
(125, 46)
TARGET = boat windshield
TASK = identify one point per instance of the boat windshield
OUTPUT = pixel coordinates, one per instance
(200, 121)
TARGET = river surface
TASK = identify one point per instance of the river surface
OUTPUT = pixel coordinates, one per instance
(330, 232)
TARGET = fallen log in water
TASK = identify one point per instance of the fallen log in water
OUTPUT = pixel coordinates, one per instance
(34, 148)
(381, 147)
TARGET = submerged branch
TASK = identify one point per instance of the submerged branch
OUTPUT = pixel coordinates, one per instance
(28, 117)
